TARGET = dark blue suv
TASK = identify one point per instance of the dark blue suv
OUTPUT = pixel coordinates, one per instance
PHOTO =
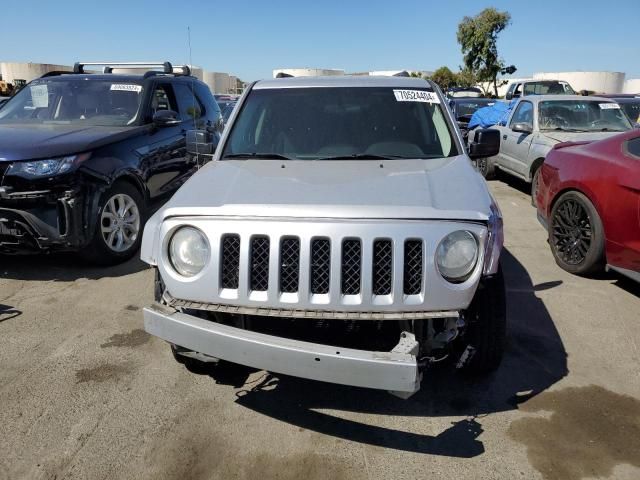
(85, 156)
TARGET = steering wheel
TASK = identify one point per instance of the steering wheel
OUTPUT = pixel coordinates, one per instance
(599, 121)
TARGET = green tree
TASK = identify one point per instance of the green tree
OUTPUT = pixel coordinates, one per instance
(445, 78)
(478, 37)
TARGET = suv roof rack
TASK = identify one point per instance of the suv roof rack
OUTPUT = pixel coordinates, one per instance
(167, 67)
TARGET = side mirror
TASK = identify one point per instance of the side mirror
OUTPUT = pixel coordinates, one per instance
(201, 142)
(166, 118)
(485, 144)
(522, 128)
(508, 96)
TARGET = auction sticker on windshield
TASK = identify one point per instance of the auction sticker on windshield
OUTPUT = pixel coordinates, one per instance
(39, 96)
(608, 106)
(123, 87)
(415, 96)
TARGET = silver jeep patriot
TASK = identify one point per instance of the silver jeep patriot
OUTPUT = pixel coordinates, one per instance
(339, 233)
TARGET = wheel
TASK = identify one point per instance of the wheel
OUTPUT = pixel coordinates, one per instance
(486, 167)
(576, 234)
(534, 185)
(118, 231)
(484, 338)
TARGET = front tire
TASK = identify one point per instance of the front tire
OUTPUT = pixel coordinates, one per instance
(485, 336)
(118, 230)
(486, 167)
(576, 234)
(535, 179)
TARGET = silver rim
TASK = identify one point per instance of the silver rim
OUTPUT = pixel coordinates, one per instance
(120, 222)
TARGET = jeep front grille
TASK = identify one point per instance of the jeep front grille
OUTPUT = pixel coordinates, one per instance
(259, 263)
(230, 262)
(289, 265)
(320, 265)
(412, 267)
(351, 266)
(382, 267)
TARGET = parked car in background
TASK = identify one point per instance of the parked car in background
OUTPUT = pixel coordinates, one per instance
(588, 199)
(463, 108)
(3, 100)
(83, 156)
(538, 122)
(538, 87)
(227, 111)
(224, 100)
(341, 234)
(630, 105)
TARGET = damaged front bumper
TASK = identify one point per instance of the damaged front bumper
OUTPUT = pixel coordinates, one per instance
(396, 371)
(41, 220)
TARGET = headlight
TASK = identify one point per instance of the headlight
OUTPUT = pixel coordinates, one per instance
(457, 255)
(188, 251)
(48, 167)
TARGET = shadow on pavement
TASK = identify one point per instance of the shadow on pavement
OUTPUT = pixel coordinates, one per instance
(535, 359)
(8, 312)
(62, 267)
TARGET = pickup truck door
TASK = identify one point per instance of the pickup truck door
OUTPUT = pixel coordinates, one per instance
(514, 146)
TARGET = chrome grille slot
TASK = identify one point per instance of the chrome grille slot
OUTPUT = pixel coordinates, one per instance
(351, 266)
(382, 267)
(230, 264)
(320, 265)
(289, 265)
(412, 267)
(259, 263)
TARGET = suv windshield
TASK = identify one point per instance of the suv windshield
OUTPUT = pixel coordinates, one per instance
(340, 122)
(82, 102)
(582, 115)
(548, 88)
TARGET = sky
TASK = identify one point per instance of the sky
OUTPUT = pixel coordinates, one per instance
(249, 38)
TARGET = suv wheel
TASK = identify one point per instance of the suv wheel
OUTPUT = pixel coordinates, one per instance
(119, 225)
(484, 339)
(486, 167)
(576, 234)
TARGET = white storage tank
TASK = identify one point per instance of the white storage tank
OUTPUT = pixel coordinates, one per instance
(12, 71)
(632, 86)
(598, 82)
(308, 72)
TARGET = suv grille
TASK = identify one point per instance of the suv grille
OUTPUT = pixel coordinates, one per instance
(259, 263)
(320, 265)
(230, 261)
(412, 267)
(351, 261)
(381, 264)
(382, 267)
(289, 265)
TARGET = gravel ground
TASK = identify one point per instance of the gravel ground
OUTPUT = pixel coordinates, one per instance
(85, 393)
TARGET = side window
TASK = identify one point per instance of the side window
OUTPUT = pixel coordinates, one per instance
(633, 147)
(190, 106)
(523, 114)
(518, 90)
(163, 99)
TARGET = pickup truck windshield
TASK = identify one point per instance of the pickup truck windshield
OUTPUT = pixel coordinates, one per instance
(340, 123)
(583, 116)
(74, 102)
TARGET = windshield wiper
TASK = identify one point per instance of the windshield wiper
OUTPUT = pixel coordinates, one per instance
(362, 156)
(266, 156)
(562, 129)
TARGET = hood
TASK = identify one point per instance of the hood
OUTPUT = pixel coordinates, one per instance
(31, 142)
(446, 188)
(578, 136)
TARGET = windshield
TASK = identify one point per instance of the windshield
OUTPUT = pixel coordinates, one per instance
(343, 122)
(82, 102)
(582, 116)
(548, 88)
(466, 109)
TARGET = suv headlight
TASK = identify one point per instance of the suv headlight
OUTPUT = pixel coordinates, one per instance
(188, 251)
(48, 167)
(457, 255)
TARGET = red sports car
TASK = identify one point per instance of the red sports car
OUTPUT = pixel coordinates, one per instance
(588, 199)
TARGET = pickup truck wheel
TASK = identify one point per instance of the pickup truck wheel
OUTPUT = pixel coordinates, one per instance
(484, 339)
(119, 225)
(534, 185)
(576, 234)
(486, 167)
